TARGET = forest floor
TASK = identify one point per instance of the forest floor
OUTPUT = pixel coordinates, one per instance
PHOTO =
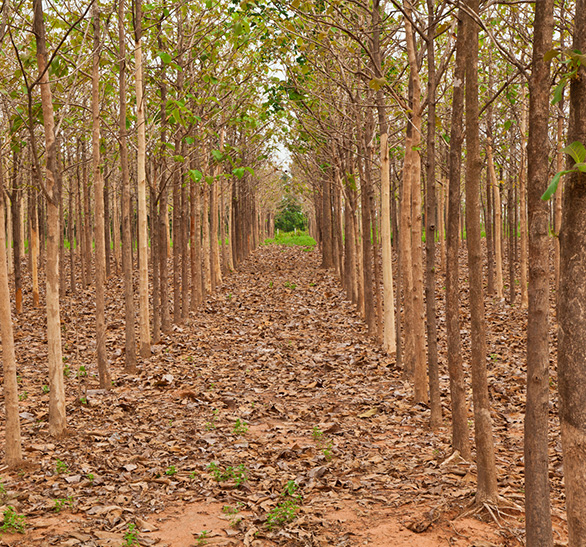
(274, 380)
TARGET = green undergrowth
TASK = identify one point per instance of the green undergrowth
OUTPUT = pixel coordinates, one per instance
(302, 239)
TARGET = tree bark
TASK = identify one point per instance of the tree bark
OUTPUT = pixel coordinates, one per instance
(485, 458)
(143, 280)
(538, 525)
(572, 308)
(13, 442)
(103, 372)
(130, 336)
(460, 432)
(57, 416)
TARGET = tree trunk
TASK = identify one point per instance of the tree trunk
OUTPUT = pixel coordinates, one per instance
(143, 280)
(523, 207)
(389, 340)
(13, 442)
(538, 525)
(485, 458)
(498, 223)
(104, 373)
(430, 231)
(57, 416)
(572, 308)
(460, 432)
(17, 236)
(130, 336)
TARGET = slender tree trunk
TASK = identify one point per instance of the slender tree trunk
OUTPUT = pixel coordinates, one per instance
(130, 336)
(143, 281)
(177, 247)
(488, 227)
(523, 207)
(104, 373)
(538, 525)
(13, 442)
(460, 432)
(511, 241)
(57, 416)
(207, 274)
(17, 237)
(572, 307)
(498, 223)
(430, 231)
(87, 224)
(485, 458)
(388, 298)
(34, 230)
(558, 197)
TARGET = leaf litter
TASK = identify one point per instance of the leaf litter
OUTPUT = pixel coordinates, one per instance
(273, 383)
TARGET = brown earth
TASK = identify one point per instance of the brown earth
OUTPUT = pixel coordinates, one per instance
(273, 381)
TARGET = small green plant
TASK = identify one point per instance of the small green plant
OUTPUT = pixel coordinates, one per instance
(45, 388)
(66, 370)
(316, 433)
(83, 400)
(271, 285)
(23, 396)
(62, 503)
(240, 427)
(212, 423)
(290, 285)
(229, 296)
(201, 538)
(327, 450)
(90, 477)
(171, 470)
(238, 474)
(13, 522)
(287, 509)
(131, 536)
(82, 372)
(60, 467)
(193, 474)
(231, 510)
(312, 284)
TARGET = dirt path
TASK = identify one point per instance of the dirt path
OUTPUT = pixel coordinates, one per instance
(273, 386)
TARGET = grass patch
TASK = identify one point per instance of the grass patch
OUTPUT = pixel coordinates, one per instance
(302, 239)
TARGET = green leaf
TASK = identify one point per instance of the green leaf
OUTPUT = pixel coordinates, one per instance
(217, 154)
(553, 185)
(250, 170)
(189, 140)
(239, 172)
(580, 167)
(195, 175)
(558, 92)
(165, 57)
(577, 151)
(508, 124)
(179, 158)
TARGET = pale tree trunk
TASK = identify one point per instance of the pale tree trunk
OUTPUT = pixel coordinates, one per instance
(430, 231)
(441, 223)
(87, 218)
(13, 443)
(116, 228)
(572, 308)
(9, 256)
(215, 265)
(367, 254)
(389, 336)
(103, 372)
(485, 458)
(177, 247)
(185, 284)
(143, 279)
(498, 223)
(57, 416)
(34, 231)
(230, 254)
(460, 432)
(538, 525)
(205, 247)
(196, 284)
(523, 206)
(130, 336)
(17, 234)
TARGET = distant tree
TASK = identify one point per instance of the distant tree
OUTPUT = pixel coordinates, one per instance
(290, 215)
